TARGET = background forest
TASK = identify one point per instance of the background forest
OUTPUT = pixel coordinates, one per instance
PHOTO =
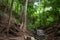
(40, 13)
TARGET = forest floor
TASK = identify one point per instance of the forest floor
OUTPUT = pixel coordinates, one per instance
(13, 32)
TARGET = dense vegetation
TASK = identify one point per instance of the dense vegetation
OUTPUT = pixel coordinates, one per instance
(40, 13)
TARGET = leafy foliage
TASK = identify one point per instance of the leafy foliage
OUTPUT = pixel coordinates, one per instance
(40, 15)
(46, 13)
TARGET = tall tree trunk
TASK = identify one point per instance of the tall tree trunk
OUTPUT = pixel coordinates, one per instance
(24, 15)
(10, 14)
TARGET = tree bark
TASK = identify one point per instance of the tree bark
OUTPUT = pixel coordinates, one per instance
(24, 15)
(10, 14)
